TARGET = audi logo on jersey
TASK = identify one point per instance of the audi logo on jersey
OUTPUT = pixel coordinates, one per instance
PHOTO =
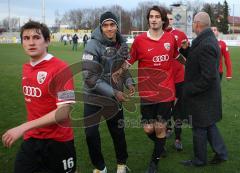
(160, 58)
(32, 91)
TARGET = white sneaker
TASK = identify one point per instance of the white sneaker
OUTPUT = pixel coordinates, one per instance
(122, 168)
(98, 171)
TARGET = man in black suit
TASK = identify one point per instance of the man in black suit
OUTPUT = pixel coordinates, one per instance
(202, 92)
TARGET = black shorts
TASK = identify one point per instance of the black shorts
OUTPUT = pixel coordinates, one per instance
(152, 112)
(46, 156)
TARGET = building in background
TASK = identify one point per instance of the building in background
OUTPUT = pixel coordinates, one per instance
(234, 24)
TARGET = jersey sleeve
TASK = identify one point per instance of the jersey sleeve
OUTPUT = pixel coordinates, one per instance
(133, 53)
(227, 60)
(62, 86)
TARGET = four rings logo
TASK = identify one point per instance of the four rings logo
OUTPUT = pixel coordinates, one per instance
(160, 58)
(32, 91)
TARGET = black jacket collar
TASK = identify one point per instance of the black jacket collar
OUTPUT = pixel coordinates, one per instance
(205, 33)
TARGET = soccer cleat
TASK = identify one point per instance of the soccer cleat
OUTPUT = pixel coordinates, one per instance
(152, 168)
(122, 168)
(178, 145)
(98, 171)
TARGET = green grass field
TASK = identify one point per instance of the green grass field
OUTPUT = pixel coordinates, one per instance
(139, 146)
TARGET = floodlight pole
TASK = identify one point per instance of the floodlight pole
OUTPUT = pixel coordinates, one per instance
(43, 11)
(9, 18)
(233, 19)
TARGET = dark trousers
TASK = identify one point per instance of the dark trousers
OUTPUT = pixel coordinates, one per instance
(220, 74)
(116, 130)
(200, 138)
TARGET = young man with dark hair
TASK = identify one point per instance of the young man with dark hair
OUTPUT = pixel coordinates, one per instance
(155, 52)
(48, 144)
(224, 53)
(103, 54)
(178, 72)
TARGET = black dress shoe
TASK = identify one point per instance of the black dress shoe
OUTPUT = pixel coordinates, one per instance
(190, 163)
(216, 160)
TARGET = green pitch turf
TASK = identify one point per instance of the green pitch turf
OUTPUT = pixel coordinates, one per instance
(139, 146)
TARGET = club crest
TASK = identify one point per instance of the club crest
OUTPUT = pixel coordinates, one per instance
(41, 76)
(167, 46)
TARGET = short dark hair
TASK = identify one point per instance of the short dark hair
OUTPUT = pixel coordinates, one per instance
(213, 25)
(168, 11)
(163, 14)
(39, 27)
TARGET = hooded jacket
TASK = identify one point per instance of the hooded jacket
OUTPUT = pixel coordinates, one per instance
(101, 57)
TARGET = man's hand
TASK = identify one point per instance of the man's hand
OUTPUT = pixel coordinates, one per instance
(117, 75)
(184, 44)
(121, 97)
(131, 90)
(12, 135)
(181, 59)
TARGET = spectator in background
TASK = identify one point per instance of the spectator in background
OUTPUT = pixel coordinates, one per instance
(85, 39)
(75, 42)
(65, 39)
(224, 53)
(70, 39)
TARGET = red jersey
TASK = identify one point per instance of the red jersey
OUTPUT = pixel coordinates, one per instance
(227, 60)
(155, 58)
(43, 91)
(178, 68)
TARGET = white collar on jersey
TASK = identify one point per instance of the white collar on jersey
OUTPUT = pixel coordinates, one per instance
(149, 36)
(46, 58)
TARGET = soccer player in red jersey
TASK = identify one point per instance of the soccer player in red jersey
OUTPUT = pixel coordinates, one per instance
(155, 52)
(48, 92)
(178, 72)
(225, 54)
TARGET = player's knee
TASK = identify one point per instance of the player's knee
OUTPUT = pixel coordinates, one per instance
(160, 129)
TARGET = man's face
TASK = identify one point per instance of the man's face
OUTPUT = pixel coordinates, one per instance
(34, 44)
(195, 26)
(215, 31)
(170, 18)
(109, 29)
(155, 20)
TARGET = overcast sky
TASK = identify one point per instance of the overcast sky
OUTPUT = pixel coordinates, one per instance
(25, 9)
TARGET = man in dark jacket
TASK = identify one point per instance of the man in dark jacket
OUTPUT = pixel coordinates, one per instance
(75, 42)
(202, 92)
(105, 53)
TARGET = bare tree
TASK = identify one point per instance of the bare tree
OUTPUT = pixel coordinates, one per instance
(194, 6)
(73, 18)
(14, 23)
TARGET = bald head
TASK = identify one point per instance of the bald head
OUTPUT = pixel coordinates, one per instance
(203, 18)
